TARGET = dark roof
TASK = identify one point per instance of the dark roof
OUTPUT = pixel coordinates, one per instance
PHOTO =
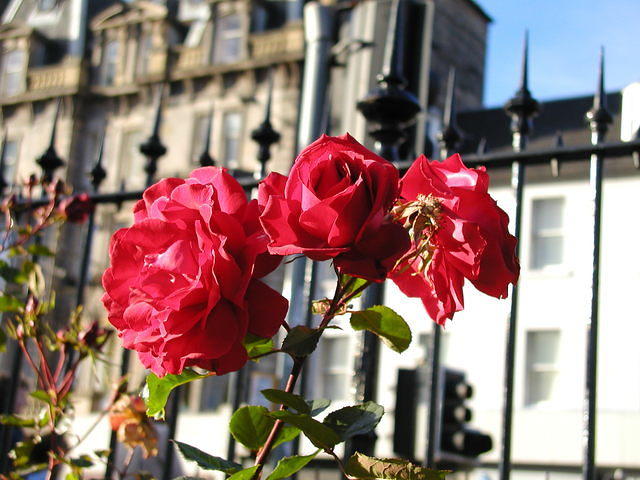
(480, 10)
(566, 116)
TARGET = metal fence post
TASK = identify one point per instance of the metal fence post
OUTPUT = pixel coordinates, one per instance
(389, 109)
(448, 138)
(599, 119)
(522, 108)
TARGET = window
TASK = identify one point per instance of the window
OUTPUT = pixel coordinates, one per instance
(10, 160)
(13, 73)
(227, 47)
(231, 132)
(541, 363)
(201, 129)
(47, 5)
(144, 52)
(547, 236)
(132, 162)
(335, 366)
(109, 64)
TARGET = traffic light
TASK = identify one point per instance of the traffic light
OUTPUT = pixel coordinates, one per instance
(458, 443)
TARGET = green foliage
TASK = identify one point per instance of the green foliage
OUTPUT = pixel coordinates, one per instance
(251, 425)
(319, 434)
(82, 461)
(290, 400)
(301, 341)
(17, 421)
(287, 466)
(257, 346)
(386, 324)
(318, 406)
(246, 474)
(39, 250)
(356, 284)
(355, 419)
(9, 303)
(365, 468)
(206, 461)
(156, 391)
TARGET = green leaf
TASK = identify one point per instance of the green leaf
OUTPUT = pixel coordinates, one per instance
(287, 433)
(290, 400)
(320, 435)
(3, 341)
(301, 341)
(72, 476)
(9, 273)
(355, 420)
(385, 323)
(246, 474)
(359, 282)
(318, 406)
(206, 461)
(364, 467)
(256, 346)
(41, 395)
(40, 250)
(17, 421)
(250, 426)
(83, 461)
(9, 303)
(156, 391)
(287, 466)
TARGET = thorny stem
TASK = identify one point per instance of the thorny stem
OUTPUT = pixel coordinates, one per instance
(338, 300)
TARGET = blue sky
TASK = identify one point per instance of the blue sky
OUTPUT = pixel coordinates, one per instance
(564, 39)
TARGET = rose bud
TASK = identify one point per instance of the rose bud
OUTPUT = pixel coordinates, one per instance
(76, 209)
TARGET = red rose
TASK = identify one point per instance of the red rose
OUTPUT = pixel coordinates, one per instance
(458, 231)
(76, 209)
(335, 204)
(182, 289)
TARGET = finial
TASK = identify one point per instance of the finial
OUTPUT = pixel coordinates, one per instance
(599, 117)
(205, 159)
(389, 108)
(98, 173)
(49, 161)
(524, 74)
(522, 107)
(265, 135)
(449, 137)
(153, 148)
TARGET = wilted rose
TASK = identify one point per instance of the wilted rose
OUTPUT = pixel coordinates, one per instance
(335, 204)
(458, 231)
(128, 418)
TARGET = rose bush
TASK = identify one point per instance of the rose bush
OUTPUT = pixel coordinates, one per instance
(183, 287)
(335, 204)
(458, 231)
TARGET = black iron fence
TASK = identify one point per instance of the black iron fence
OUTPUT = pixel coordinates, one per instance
(390, 109)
